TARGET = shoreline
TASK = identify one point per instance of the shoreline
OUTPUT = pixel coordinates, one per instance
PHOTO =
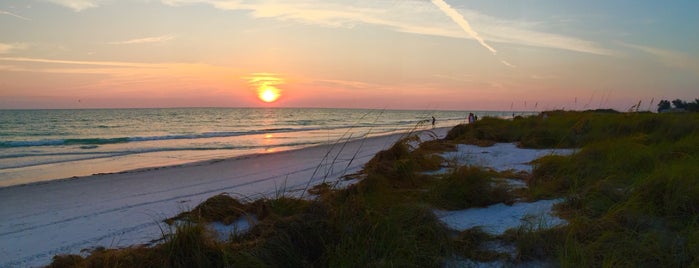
(215, 160)
(42, 219)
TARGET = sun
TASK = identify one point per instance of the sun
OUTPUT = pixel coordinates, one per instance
(266, 86)
(268, 93)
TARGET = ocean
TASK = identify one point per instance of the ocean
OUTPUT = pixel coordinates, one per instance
(42, 145)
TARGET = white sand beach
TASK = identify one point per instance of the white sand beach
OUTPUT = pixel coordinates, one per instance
(38, 221)
(497, 218)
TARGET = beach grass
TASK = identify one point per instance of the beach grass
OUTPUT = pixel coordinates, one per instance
(630, 200)
(467, 187)
(631, 194)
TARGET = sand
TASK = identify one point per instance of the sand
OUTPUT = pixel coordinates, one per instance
(497, 218)
(40, 220)
(501, 156)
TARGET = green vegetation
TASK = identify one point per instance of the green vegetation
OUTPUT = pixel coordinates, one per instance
(664, 105)
(467, 187)
(631, 200)
(631, 192)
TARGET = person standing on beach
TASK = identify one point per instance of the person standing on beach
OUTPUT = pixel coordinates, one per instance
(433, 121)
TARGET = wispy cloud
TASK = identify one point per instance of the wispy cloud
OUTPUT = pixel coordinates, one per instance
(417, 17)
(5, 48)
(119, 76)
(668, 58)
(543, 77)
(257, 79)
(75, 62)
(3, 12)
(345, 84)
(8, 48)
(266, 83)
(459, 19)
(508, 64)
(146, 40)
(77, 5)
(453, 78)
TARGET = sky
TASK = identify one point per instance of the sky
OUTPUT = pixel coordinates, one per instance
(386, 54)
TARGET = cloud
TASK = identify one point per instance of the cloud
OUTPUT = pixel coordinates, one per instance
(8, 48)
(543, 77)
(459, 19)
(146, 40)
(345, 84)
(132, 76)
(5, 48)
(454, 78)
(533, 38)
(264, 78)
(3, 12)
(417, 17)
(668, 58)
(220, 4)
(77, 5)
(266, 84)
(74, 62)
(508, 64)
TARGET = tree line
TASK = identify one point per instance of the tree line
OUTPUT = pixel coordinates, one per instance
(665, 105)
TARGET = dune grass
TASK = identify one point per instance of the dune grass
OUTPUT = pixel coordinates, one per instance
(466, 187)
(631, 200)
(631, 192)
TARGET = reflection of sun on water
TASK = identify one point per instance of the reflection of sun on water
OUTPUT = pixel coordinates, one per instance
(269, 143)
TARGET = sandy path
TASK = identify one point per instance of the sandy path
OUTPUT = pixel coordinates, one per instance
(38, 221)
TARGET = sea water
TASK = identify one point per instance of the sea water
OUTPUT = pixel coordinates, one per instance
(40, 145)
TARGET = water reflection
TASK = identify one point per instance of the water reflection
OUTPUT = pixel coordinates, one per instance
(269, 144)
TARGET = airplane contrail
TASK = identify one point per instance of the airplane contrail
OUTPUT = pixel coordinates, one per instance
(508, 64)
(459, 19)
(13, 14)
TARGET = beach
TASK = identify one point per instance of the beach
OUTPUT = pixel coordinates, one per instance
(45, 145)
(441, 133)
(43, 219)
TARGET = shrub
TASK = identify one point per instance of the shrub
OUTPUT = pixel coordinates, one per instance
(192, 246)
(222, 208)
(397, 236)
(70, 260)
(465, 187)
(536, 241)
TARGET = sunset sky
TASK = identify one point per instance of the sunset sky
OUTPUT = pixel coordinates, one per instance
(398, 54)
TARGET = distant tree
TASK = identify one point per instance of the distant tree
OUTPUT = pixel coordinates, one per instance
(663, 105)
(693, 106)
(679, 104)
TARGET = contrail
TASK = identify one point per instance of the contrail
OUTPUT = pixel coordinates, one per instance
(13, 14)
(459, 19)
(508, 64)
